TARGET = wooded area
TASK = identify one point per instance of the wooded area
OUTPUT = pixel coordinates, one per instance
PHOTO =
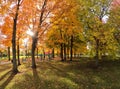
(34, 31)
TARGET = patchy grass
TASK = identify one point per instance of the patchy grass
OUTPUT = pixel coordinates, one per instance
(78, 74)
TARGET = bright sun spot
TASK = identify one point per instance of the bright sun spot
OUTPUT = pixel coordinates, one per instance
(105, 18)
(25, 41)
(29, 32)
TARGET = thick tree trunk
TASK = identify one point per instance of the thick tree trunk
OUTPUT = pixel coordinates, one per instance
(61, 52)
(65, 52)
(18, 54)
(71, 47)
(9, 53)
(15, 70)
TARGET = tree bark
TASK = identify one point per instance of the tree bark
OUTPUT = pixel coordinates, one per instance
(34, 44)
(43, 54)
(71, 48)
(18, 54)
(61, 52)
(64, 52)
(37, 53)
(53, 53)
(26, 51)
(68, 49)
(9, 53)
(97, 51)
(35, 37)
(15, 70)
(1, 55)
(68, 52)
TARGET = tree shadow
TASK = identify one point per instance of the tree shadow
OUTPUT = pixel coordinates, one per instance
(4, 67)
(5, 75)
(36, 78)
(7, 80)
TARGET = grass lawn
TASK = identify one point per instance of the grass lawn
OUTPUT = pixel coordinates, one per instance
(79, 74)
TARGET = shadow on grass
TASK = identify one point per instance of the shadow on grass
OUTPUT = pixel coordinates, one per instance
(4, 67)
(87, 77)
(7, 80)
(5, 75)
(36, 79)
(73, 75)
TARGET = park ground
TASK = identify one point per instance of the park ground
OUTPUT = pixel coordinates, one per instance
(54, 74)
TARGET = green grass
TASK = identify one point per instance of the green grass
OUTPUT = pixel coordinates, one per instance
(79, 74)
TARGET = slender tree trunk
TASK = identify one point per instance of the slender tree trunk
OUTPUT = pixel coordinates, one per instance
(97, 51)
(18, 54)
(43, 54)
(34, 44)
(35, 37)
(68, 52)
(65, 52)
(53, 54)
(61, 52)
(1, 55)
(71, 48)
(26, 51)
(74, 54)
(9, 53)
(37, 53)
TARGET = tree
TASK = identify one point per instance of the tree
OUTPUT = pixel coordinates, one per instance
(35, 37)
(6, 29)
(15, 70)
(114, 20)
(65, 28)
(91, 15)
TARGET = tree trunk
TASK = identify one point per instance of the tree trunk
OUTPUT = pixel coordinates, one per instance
(68, 52)
(53, 54)
(71, 47)
(35, 37)
(68, 49)
(34, 44)
(18, 54)
(9, 53)
(15, 70)
(1, 55)
(64, 52)
(97, 51)
(61, 52)
(37, 53)
(43, 54)
(26, 51)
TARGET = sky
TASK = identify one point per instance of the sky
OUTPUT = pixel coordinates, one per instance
(116, 3)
